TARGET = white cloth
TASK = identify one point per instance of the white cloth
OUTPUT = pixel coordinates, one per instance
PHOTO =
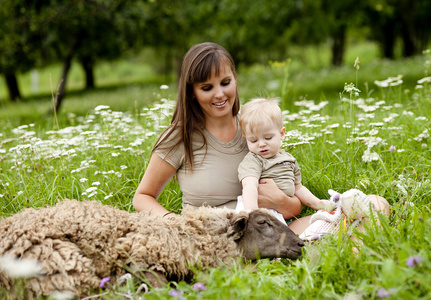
(240, 207)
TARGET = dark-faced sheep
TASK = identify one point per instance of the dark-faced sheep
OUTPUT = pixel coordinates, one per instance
(79, 243)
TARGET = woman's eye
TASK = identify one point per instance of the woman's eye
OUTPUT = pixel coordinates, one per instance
(224, 83)
(206, 88)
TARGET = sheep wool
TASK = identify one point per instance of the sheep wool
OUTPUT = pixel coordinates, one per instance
(79, 243)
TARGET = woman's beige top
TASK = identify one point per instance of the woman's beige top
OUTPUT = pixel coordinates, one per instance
(214, 178)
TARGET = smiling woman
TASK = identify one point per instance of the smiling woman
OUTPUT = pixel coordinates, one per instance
(203, 145)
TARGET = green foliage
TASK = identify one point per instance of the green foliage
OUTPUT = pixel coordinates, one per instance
(379, 144)
(37, 33)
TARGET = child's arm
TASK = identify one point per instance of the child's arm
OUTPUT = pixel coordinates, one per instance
(307, 198)
(250, 192)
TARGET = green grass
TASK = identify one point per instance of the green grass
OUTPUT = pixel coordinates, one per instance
(102, 154)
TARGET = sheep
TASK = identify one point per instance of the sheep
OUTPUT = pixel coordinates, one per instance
(80, 242)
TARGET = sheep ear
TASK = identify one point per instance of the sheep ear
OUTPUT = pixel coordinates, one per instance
(239, 223)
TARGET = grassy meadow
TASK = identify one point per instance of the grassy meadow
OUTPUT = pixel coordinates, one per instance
(365, 128)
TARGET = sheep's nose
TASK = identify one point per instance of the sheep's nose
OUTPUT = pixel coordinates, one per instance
(301, 244)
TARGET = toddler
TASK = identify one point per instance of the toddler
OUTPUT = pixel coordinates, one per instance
(261, 123)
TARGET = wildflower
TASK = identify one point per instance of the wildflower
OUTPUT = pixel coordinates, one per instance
(91, 189)
(350, 88)
(369, 156)
(104, 281)
(96, 183)
(425, 79)
(16, 268)
(373, 132)
(126, 277)
(382, 293)
(164, 87)
(413, 261)
(101, 107)
(114, 154)
(391, 81)
(176, 294)
(356, 65)
(62, 295)
(392, 148)
(83, 179)
(199, 287)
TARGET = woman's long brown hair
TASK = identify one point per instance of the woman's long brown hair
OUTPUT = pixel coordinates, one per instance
(188, 117)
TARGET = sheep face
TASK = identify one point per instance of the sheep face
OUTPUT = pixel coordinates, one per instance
(260, 235)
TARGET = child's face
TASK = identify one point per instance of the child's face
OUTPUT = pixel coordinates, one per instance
(266, 141)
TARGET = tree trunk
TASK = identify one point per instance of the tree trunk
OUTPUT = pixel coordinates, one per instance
(409, 40)
(63, 80)
(88, 66)
(339, 38)
(388, 39)
(12, 85)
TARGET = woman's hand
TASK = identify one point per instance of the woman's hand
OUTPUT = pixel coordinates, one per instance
(270, 196)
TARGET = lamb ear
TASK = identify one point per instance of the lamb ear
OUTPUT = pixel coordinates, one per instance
(239, 223)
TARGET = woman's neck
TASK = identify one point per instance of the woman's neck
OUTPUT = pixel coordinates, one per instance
(224, 129)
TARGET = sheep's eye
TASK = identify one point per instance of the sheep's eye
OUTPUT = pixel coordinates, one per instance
(261, 222)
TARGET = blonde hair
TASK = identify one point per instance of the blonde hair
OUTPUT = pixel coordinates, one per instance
(259, 112)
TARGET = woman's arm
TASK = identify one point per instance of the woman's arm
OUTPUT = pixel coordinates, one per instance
(157, 175)
(270, 196)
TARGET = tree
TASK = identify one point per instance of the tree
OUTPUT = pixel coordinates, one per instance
(18, 44)
(407, 20)
(316, 21)
(62, 30)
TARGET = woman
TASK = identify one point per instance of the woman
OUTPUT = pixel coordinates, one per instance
(203, 145)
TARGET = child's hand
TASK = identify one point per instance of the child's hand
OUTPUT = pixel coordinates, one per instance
(326, 205)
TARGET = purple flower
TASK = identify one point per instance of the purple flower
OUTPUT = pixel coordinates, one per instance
(199, 287)
(175, 293)
(392, 148)
(104, 281)
(413, 260)
(382, 293)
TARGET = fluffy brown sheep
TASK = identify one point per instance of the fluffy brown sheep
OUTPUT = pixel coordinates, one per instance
(79, 243)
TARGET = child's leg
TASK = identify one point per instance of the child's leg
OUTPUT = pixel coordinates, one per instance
(298, 226)
(380, 204)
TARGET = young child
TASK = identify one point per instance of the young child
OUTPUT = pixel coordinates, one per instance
(261, 124)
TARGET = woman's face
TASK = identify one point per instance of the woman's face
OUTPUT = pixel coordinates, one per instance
(216, 96)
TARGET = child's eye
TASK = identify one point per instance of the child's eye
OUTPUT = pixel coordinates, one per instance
(253, 141)
(268, 138)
